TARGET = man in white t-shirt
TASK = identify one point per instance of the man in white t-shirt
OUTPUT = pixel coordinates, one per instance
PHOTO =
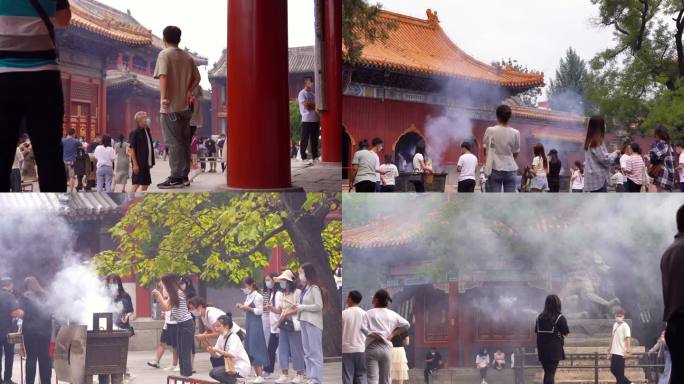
(311, 127)
(620, 347)
(626, 153)
(505, 147)
(680, 165)
(353, 341)
(364, 176)
(467, 164)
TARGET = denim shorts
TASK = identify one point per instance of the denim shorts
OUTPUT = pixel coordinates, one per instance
(539, 182)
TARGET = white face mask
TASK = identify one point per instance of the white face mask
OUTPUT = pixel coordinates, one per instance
(246, 291)
(114, 289)
(302, 278)
(196, 313)
(619, 319)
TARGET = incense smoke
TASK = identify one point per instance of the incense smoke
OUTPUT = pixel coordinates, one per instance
(614, 240)
(35, 244)
(446, 132)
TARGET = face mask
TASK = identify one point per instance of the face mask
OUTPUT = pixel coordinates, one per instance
(246, 291)
(302, 278)
(114, 288)
(283, 284)
(619, 319)
(196, 313)
(269, 284)
(148, 122)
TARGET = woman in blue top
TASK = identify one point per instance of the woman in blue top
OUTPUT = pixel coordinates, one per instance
(255, 342)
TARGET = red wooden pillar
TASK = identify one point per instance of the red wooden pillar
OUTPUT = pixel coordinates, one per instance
(258, 112)
(127, 118)
(331, 119)
(453, 327)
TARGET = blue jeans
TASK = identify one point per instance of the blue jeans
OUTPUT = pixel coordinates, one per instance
(104, 178)
(312, 341)
(665, 376)
(501, 180)
(290, 347)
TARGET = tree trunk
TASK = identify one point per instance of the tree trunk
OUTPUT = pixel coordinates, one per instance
(679, 43)
(308, 243)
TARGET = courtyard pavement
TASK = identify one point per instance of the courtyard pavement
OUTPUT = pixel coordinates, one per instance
(321, 177)
(143, 374)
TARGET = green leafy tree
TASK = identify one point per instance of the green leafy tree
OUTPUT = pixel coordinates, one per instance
(295, 122)
(224, 238)
(361, 25)
(646, 63)
(568, 90)
(528, 98)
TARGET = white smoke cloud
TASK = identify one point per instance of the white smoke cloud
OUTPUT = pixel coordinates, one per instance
(33, 243)
(446, 132)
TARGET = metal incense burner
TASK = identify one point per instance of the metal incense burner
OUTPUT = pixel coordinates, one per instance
(80, 354)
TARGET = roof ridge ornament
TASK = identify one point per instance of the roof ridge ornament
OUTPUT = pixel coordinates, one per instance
(433, 19)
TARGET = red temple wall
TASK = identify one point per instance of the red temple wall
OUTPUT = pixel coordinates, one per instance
(366, 118)
(122, 109)
(83, 101)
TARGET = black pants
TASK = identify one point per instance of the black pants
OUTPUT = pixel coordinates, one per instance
(310, 132)
(186, 342)
(466, 186)
(483, 373)
(617, 368)
(8, 350)
(426, 375)
(674, 335)
(36, 99)
(219, 374)
(272, 348)
(365, 186)
(554, 184)
(633, 187)
(387, 188)
(38, 351)
(419, 186)
(550, 368)
(519, 376)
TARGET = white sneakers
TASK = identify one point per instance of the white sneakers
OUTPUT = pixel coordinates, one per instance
(258, 379)
(171, 368)
(283, 379)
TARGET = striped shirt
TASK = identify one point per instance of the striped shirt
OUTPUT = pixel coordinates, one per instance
(181, 313)
(634, 165)
(23, 32)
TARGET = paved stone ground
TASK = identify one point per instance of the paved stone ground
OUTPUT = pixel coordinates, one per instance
(137, 365)
(321, 177)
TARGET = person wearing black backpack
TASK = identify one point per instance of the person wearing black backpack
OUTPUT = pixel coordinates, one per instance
(32, 87)
(551, 329)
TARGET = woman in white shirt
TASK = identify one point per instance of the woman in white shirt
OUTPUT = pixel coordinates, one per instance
(421, 167)
(388, 175)
(310, 315)
(255, 342)
(290, 337)
(467, 165)
(482, 362)
(272, 298)
(539, 166)
(104, 155)
(577, 178)
(382, 325)
(229, 346)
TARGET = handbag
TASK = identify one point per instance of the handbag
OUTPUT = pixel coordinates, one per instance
(489, 161)
(228, 361)
(287, 325)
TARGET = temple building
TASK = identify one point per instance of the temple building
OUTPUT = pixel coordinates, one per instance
(301, 64)
(418, 74)
(107, 62)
